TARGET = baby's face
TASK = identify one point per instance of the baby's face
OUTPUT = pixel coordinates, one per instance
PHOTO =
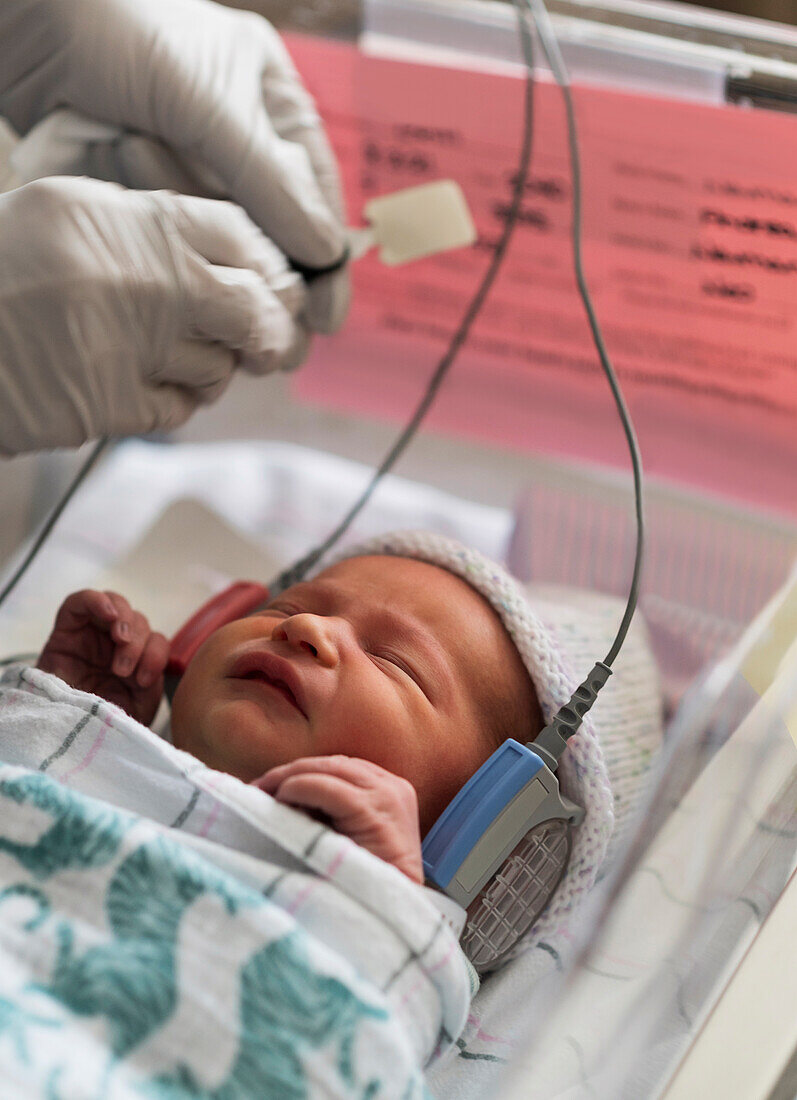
(387, 659)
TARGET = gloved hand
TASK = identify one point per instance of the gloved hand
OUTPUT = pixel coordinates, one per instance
(208, 101)
(121, 311)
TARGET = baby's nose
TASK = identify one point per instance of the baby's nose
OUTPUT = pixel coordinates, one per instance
(314, 634)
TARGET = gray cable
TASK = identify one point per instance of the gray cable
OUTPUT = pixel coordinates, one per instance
(295, 572)
(553, 54)
(550, 46)
(52, 519)
(552, 740)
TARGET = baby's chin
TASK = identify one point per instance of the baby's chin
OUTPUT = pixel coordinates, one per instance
(234, 736)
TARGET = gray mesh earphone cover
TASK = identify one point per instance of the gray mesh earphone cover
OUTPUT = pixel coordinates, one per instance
(512, 900)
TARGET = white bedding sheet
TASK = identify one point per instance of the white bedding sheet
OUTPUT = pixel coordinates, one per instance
(280, 497)
(168, 930)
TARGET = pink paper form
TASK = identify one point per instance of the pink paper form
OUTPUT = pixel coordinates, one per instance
(690, 248)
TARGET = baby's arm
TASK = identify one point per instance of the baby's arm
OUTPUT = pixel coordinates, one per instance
(377, 809)
(101, 645)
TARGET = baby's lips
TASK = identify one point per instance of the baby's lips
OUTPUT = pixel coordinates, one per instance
(273, 669)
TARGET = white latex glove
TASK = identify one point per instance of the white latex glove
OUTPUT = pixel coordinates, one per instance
(208, 102)
(121, 311)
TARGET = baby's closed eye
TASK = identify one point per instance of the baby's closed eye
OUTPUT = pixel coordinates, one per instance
(400, 663)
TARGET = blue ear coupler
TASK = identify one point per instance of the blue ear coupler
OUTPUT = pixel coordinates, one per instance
(501, 846)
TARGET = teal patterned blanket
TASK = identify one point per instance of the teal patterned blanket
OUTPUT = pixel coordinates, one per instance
(167, 932)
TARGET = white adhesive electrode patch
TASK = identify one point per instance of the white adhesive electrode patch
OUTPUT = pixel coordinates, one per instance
(416, 222)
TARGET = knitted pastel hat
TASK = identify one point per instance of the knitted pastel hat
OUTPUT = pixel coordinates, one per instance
(559, 634)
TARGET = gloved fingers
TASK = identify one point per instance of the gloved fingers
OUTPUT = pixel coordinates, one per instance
(224, 234)
(295, 118)
(203, 367)
(328, 299)
(322, 160)
(147, 164)
(275, 183)
(66, 143)
(303, 175)
(297, 352)
(235, 307)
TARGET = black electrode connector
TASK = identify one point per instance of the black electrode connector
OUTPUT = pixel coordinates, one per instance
(309, 274)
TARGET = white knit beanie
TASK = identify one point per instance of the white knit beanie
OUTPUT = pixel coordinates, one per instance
(560, 634)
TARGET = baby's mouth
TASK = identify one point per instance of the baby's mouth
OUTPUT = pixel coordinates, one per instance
(275, 673)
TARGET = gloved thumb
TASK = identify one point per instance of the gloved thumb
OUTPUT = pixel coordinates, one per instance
(223, 234)
(274, 181)
(234, 307)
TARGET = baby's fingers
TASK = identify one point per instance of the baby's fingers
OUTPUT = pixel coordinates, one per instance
(359, 772)
(124, 614)
(129, 634)
(87, 606)
(338, 799)
(386, 828)
(153, 660)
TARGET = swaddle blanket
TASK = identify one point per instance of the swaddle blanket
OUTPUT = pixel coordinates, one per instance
(168, 932)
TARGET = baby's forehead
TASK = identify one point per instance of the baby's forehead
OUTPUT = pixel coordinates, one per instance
(376, 577)
(367, 566)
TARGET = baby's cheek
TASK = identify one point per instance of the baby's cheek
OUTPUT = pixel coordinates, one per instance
(194, 695)
(182, 716)
(227, 735)
(205, 674)
(370, 725)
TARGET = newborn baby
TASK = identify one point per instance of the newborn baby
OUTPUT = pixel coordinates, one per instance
(368, 695)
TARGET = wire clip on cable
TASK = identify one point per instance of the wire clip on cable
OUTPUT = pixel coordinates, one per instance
(552, 741)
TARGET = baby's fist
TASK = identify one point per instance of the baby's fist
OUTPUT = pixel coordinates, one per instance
(377, 809)
(101, 645)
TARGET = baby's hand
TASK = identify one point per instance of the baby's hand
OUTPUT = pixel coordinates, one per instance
(99, 644)
(377, 809)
